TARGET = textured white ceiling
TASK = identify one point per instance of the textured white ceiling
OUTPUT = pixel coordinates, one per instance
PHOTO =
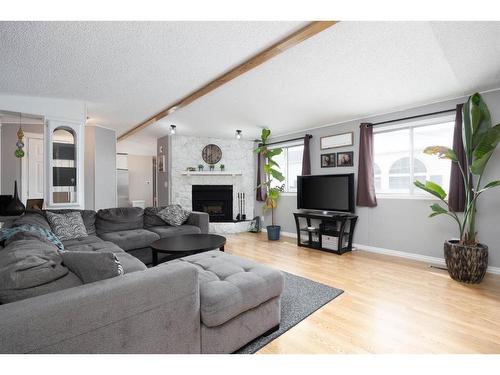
(128, 71)
(351, 70)
(125, 71)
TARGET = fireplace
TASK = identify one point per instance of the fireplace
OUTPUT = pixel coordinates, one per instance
(216, 200)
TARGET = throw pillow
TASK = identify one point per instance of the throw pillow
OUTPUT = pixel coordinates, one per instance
(29, 268)
(92, 266)
(67, 226)
(174, 215)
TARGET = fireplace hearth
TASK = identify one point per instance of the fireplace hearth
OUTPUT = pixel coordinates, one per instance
(216, 200)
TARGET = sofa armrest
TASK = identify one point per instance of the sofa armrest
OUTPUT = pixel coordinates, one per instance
(199, 219)
(151, 311)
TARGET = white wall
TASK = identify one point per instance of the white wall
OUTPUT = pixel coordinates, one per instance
(60, 109)
(237, 156)
(403, 224)
(100, 168)
(140, 178)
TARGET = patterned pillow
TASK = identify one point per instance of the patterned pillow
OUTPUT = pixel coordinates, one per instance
(67, 226)
(174, 215)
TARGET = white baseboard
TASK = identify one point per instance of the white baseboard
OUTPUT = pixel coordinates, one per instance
(413, 256)
(400, 254)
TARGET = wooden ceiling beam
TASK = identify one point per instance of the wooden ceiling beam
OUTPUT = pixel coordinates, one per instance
(290, 41)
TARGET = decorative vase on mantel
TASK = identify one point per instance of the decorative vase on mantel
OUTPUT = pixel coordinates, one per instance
(15, 207)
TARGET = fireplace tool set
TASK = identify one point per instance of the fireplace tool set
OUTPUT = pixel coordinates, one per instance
(241, 207)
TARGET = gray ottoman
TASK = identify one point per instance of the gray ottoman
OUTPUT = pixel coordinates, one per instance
(239, 300)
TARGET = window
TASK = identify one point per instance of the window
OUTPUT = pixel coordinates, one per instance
(64, 184)
(399, 159)
(377, 172)
(290, 162)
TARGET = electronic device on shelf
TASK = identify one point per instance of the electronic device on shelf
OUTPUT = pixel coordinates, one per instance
(327, 193)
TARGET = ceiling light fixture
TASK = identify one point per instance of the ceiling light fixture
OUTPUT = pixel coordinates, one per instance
(238, 134)
(172, 129)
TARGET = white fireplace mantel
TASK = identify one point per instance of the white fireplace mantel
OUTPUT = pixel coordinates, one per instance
(211, 173)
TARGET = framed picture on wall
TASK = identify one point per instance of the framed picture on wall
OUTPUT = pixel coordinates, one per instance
(345, 159)
(327, 160)
(337, 140)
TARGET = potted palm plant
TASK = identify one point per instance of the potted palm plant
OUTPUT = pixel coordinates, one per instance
(467, 258)
(272, 172)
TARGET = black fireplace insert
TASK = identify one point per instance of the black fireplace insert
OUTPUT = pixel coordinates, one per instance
(216, 200)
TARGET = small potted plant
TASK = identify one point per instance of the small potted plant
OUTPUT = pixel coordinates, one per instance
(273, 191)
(200, 167)
(222, 167)
(211, 167)
(467, 258)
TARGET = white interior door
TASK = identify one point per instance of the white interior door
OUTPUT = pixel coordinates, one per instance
(33, 168)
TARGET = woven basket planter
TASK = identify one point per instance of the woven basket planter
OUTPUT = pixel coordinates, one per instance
(466, 264)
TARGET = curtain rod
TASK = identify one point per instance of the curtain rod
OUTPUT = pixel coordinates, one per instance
(412, 117)
(285, 140)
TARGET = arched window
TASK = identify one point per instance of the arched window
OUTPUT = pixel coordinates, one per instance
(64, 183)
(399, 173)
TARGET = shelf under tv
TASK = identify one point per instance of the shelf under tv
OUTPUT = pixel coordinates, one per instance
(332, 224)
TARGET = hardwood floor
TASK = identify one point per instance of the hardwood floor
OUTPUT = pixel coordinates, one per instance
(389, 304)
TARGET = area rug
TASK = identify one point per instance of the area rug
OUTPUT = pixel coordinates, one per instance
(301, 297)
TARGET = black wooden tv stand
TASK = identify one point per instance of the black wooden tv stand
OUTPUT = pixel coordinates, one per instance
(330, 234)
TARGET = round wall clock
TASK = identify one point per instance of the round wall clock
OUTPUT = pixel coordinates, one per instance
(211, 154)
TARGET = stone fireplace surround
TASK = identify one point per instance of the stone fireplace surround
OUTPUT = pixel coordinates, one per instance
(238, 158)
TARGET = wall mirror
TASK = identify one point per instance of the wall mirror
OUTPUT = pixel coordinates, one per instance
(27, 170)
(211, 154)
(337, 140)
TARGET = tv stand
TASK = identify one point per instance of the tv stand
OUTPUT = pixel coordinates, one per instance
(334, 228)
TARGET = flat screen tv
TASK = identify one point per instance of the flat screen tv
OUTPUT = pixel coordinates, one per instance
(333, 192)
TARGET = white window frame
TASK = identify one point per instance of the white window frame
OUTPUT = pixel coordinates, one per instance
(414, 192)
(285, 146)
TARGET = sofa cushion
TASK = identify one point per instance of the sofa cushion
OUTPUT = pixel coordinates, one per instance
(35, 218)
(168, 231)
(95, 244)
(131, 239)
(88, 217)
(174, 215)
(231, 285)
(80, 242)
(91, 266)
(67, 226)
(119, 219)
(29, 268)
(129, 262)
(151, 219)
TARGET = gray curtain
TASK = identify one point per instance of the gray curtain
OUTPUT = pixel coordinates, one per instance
(456, 196)
(366, 185)
(306, 156)
(260, 193)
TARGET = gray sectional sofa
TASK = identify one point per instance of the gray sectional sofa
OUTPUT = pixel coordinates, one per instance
(211, 302)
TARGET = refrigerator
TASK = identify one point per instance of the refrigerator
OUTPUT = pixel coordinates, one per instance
(122, 182)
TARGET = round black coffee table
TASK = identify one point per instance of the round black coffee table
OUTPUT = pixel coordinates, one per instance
(186, 244)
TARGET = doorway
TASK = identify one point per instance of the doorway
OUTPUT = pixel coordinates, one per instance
(32, 168)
